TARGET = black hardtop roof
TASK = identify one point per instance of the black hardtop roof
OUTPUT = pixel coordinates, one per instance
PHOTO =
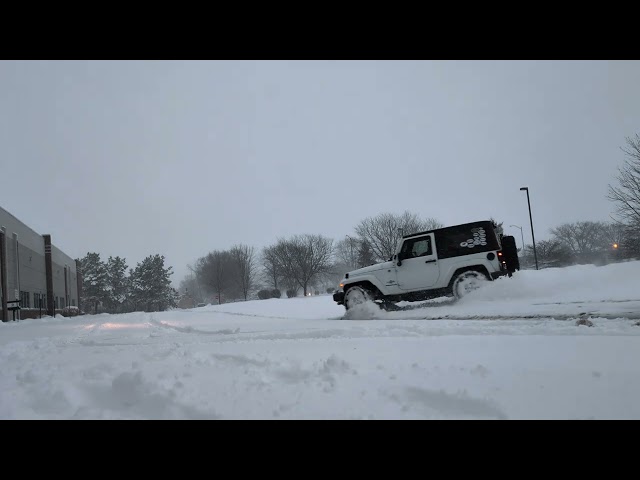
(450, 226)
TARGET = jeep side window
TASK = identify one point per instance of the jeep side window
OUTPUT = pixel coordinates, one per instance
(422, 247)
(417, 247)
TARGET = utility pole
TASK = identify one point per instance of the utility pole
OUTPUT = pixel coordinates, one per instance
(351, 258)
(535, 256)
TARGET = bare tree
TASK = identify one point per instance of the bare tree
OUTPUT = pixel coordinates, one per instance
(497, 226)
(270, 266)
(350, 254)
(304, 258)
(215, 270)
(548, 251)
(583, 238)
(626, 195)
(626, 239)
(617, 233)
(332, 277)
(195, 285)
(243, 259)
(190, 285)
(383, 231)
(346, 252)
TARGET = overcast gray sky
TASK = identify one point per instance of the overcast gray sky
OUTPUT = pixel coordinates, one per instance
(133, 158)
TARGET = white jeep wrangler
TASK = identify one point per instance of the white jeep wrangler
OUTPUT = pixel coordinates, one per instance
(447, 261)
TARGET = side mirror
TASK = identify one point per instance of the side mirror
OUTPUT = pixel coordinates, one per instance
(400, 257)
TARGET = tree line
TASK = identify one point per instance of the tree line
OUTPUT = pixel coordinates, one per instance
(580, 242)
(301, 264)
(107, 287)
(596, 241)
(625, 196)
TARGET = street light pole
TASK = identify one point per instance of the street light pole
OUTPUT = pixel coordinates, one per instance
(353, 263)
(521, 235)
(535, 256)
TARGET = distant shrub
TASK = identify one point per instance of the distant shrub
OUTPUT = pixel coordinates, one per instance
(317, 292)
(264, 294)
(275, 293)
(70, 311)
(329, 290)
(292, 292)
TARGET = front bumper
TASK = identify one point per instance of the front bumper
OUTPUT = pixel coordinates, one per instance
(338, 297)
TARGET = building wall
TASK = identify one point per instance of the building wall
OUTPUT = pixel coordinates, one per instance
(32, 274)
(26, 268)
(64, 264)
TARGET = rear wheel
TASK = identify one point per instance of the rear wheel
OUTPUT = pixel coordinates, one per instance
(467, 282)
(356, 296)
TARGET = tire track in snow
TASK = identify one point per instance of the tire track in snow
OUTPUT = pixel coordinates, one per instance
(189, 329)
(443, 403)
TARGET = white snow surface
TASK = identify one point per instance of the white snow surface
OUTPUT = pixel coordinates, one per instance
(511, 350)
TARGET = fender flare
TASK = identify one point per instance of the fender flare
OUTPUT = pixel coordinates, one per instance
(364, 280)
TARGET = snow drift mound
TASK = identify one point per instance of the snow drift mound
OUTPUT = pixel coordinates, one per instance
(365, 311)
(614, 282)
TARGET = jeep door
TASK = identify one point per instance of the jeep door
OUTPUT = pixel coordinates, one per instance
(419, 268)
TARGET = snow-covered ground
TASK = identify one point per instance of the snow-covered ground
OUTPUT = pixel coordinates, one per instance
(511, 350)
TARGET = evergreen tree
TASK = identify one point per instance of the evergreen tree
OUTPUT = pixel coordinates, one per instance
(365, 255)
(116, 283)
(94, 282)
(150, 286)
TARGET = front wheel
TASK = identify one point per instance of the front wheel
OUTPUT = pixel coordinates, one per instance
(467, 282)
(356, 296)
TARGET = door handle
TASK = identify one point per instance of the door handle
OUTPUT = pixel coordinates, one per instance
(430, 261)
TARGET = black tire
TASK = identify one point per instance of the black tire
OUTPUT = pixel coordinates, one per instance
(466, 282)
(356, 296)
